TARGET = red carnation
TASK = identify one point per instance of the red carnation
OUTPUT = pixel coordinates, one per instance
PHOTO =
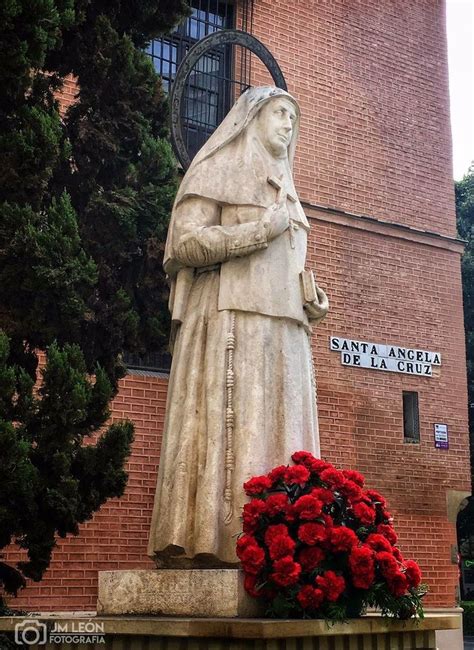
(280, 546)
(244, 541)
(286, 572)
(296, 475)
(323, 494)
(309, 597)
(311, 534)
(352, 475)
(307, 507)
(397, 554)
(252, 513)
(361, 558)
(351, 490)
(303, 458)
(276, 503)
(412, 573)
(376, 497)
(250, 586)
(253, 586)
(361, 564)
(328, 520)
(253, 559)
(388, 565)
(378, 543)
(310, 557)
(397, 584)
(257, 485)
(275, 531)
(333, 477)
(277, 474)
(388, 532)
(331, 585)
(318, 466)
(342, 538)
(364, 513)
(386, 517)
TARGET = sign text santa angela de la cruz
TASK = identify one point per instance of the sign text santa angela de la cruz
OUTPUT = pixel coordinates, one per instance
(380, 356)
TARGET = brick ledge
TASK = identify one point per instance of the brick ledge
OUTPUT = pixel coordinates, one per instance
(382, 227)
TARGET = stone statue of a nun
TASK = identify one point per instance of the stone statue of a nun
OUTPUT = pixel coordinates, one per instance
(241, 395)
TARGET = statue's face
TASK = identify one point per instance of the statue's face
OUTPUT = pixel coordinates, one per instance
(276, 120)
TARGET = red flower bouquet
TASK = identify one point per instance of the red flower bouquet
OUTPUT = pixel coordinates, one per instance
(316, 544)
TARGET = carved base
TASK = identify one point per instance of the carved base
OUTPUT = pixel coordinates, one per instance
(176, 592)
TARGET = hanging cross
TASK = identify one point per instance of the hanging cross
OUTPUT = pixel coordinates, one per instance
(283, 191)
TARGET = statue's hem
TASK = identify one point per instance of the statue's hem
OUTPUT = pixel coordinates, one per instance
(174, 557)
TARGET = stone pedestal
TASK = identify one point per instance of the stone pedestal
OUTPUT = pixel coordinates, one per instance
(176, 592)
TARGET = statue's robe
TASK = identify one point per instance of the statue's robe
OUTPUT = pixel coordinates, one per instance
(241, 394)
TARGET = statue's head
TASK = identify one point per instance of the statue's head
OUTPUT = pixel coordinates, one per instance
(274, 125)
(268, 113)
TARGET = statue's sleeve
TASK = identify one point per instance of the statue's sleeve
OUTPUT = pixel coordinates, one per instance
(199, 239)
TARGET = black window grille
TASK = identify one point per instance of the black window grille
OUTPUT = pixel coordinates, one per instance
(208, 16)
(411, 417)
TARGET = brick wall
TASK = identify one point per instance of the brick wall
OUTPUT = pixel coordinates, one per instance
(371, 78)
(372, 81)
(67, 95)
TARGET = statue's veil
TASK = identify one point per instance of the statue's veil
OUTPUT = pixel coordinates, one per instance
(199, 180)
(237, 120)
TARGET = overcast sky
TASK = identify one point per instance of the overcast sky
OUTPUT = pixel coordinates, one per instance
(460, 22)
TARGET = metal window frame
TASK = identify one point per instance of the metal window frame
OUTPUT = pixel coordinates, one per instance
(411, 417)
(181, 38)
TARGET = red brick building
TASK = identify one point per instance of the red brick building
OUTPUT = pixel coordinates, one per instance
(374, 172)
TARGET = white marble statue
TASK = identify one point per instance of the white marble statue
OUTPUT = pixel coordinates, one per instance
(241, 396)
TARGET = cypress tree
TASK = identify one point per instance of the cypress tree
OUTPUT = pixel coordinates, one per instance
(84, 204)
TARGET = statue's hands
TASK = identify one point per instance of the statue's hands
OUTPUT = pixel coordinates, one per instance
(317, 310)
(276, 218)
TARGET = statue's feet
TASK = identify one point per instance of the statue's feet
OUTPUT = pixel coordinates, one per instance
(174, 557)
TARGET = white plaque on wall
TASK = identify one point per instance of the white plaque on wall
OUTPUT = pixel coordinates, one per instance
(382, 356)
